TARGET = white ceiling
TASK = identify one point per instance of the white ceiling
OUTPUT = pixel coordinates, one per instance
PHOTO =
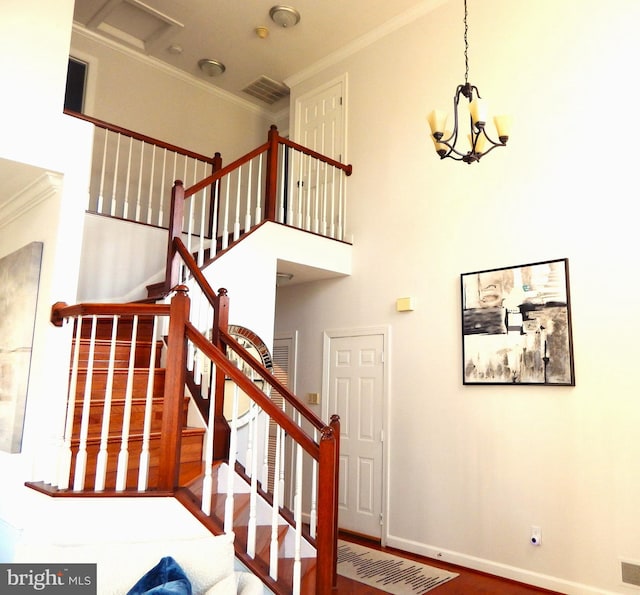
(224, 30)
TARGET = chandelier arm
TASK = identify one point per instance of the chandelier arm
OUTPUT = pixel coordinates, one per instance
(494, 143)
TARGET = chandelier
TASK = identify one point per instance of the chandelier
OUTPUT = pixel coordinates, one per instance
(480, 143)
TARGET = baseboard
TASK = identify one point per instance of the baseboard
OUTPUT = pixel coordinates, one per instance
(495, 568)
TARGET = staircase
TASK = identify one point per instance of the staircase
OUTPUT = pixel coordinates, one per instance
(124, 396)
(140, 372)
(112, 382)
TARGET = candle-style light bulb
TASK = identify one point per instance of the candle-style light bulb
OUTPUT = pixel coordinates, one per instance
(437, 121)
(478, 109)
(503, 126)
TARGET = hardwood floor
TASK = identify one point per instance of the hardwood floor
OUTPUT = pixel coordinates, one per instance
(469, 582)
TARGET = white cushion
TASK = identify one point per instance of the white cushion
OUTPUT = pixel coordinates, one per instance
(227, 586)
(205, 560)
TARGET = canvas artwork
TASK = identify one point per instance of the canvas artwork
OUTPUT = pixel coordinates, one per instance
(516, 325)
(19, 279)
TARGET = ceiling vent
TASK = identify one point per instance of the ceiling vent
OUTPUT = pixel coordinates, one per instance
(267, 90)
(134, 23)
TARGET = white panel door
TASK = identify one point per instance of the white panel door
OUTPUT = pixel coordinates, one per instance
(320, 120)
(356, 380)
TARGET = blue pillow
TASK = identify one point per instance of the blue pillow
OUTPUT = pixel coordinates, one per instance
(165, 578)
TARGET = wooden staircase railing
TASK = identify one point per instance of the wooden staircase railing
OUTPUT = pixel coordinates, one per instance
(142, 447)
(279, 181)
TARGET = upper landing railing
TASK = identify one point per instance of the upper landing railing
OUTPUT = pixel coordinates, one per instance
(279, 181)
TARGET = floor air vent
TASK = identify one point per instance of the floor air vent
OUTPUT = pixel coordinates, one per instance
(267, 90)
(631, 574)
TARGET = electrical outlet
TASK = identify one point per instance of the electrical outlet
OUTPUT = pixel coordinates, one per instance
(536, 536)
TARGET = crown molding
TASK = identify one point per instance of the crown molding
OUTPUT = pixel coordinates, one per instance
(185, 77)
(364, 41)
(44, 187)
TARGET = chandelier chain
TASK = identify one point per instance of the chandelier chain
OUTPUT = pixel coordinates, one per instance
(466, 46)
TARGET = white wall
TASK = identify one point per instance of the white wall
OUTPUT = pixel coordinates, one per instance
(486, 463)
(45, 209)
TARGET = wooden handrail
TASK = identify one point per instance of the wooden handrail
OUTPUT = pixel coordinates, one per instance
(254, 393)
(346, 168)
(217, 175)
(270, 379)
(141, 137)
(60, 310)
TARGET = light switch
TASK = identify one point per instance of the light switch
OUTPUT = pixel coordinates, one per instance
(405, 304)
(313, 398)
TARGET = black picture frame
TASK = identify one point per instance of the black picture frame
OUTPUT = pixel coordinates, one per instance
(516, 325)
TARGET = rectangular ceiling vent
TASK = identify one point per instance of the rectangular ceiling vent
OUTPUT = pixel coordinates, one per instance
(134, 23)
(267, 90)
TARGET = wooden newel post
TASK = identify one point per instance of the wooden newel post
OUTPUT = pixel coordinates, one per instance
(335, 426)
(172, 275)
(327, 539)
(174, 387)
(214, 206)
(271, 189)
(222, 430)
(56, 318)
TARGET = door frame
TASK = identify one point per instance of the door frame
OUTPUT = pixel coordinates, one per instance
(385, 331)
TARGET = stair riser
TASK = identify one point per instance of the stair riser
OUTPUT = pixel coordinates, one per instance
(190, 452)
(102, 353)
(117, 414)
(104, 328)
(120, 377)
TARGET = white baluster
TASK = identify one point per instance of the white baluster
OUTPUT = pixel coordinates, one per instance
(151, 180)
(297, 517)
(123, 456)
(225, 223)
(323, 223)
(162, 188)
(265, 456)
(307, 224)
(316, 208)
(260, 186)
(233, 447)
(114, 188)
(283, 184)
(81, 457)
(143, 469)
(247, 216)
(214, 226)
(207, 481)
(203, 221)
(332, 228)
(300, 182)
(281, 475)
(253, 500)
(101, 463)
(102, 173)
(313, 513)
(236, 221)
(125, 208)
(140, 170)
(342, 208)
(275, 516)
(64, 464)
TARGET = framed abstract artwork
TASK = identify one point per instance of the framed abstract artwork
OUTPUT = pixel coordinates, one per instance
(516, 325)
(19, 281)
